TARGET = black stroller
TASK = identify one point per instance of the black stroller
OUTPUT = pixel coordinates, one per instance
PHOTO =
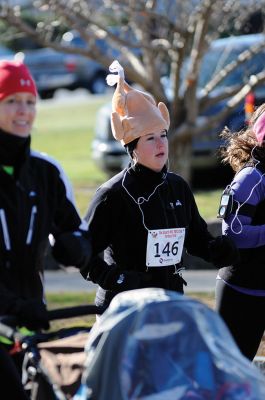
(153, 344)
(52, 361)
(150, 344)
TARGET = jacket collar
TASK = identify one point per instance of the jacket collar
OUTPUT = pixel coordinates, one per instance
(148, 175)
(147, 179)
(14, 150)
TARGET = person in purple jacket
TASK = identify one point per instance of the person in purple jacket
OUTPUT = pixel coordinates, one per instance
(240, 288)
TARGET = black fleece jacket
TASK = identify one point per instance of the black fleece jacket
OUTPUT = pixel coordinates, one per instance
(35, 200)
(117, 229)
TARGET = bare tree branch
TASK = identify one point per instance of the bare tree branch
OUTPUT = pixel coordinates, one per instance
(225, 71)
(154, 38)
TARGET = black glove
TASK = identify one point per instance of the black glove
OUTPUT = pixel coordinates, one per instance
(119, 281)
(33, 315)
(223, 251)
(72, 249)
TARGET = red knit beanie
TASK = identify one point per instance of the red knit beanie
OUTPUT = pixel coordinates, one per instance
(15, 77)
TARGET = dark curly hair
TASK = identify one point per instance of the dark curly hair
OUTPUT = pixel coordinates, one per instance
(238, 146)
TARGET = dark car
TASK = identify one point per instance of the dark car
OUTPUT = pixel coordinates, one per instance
(110, 154)
(54, 70)
(5, 53)
(51, 70)
(89, 73)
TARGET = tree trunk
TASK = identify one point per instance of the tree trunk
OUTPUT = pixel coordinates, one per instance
(180, 153)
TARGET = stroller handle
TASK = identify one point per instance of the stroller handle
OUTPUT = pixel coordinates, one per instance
(7, 331)
(9, 322)
(77, 311)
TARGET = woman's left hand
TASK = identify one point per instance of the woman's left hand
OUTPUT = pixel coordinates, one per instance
(223, 251)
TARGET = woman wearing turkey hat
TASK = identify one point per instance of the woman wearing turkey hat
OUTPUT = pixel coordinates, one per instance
(143, 218)
(35, 201)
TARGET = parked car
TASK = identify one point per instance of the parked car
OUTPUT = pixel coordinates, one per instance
(5, 53)
(110, 154)
(107, 152)
(54, 70)
(90, 74)
(51, 70)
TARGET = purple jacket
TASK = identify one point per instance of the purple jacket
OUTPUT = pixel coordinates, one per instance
(246, 226)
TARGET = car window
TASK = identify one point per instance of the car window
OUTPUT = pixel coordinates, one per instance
(5, 52)
(216, 59)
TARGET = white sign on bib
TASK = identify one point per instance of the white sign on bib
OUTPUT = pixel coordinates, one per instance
(164, 247)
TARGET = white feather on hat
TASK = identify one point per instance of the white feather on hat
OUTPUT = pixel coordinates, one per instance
(134, 113)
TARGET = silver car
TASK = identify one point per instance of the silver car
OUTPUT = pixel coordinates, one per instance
(111, 156)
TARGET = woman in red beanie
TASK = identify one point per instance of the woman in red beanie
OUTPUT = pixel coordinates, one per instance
(35, 201)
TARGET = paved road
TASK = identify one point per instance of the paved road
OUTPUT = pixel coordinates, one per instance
(62, 281)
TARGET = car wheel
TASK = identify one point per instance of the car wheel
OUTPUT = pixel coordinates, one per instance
(98, 84)
(47, 94)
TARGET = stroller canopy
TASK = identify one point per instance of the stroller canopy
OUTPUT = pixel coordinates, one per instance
(153, 344)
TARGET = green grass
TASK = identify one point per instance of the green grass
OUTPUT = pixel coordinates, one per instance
(72, 299)
(208, 202)
(62, 300)
(69, 299)
(65, 129)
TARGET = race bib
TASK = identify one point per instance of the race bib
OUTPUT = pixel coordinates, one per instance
(164, 247)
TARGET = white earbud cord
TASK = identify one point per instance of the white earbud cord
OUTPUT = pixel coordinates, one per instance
(141, 199)
(245, 201)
